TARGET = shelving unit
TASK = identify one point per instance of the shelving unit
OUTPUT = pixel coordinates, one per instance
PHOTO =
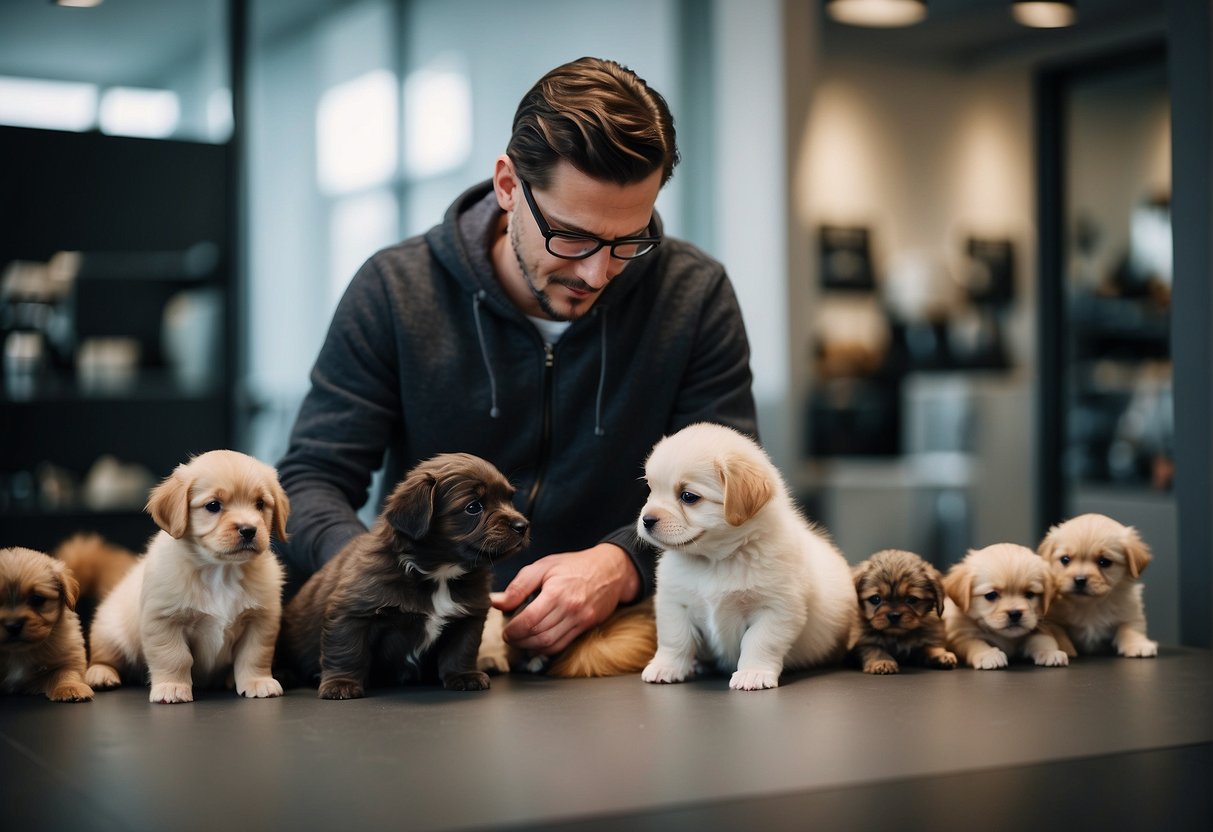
(135, 209)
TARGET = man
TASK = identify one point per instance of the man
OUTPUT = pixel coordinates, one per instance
(546, 325)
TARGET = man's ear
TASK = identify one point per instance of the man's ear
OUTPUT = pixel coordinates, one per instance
(505, 184)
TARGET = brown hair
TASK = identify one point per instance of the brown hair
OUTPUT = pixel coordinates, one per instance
(598, 116)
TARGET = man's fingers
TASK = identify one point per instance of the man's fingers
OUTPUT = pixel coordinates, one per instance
(525, 582)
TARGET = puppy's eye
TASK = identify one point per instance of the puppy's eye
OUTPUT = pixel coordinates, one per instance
(261, 505)
(473, 508)
(992, 595)
(1065, 560)
(911, 600)
(213, 506)
(874, 600)
(1104, 563)
(688, 497)
(1029, 595)
(36, 601)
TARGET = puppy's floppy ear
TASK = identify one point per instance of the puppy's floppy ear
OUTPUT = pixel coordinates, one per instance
(1050, 592)
(169, 504)
(859, 573)
(411, 506)
(1048, 545)
(1137, 553)
(959, 585)
(282, 510)
(69, 587)
(747, 488)
(936, 587)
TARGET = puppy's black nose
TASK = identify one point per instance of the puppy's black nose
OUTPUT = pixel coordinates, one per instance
(894, 617)
(649, 522)
(1080, 582)
(1015, 615)
(520, 526)
(247, 532)
(15, 626)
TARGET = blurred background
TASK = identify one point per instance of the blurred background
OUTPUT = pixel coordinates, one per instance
(952, 240)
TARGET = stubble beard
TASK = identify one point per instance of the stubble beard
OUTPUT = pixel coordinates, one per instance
(541, 296)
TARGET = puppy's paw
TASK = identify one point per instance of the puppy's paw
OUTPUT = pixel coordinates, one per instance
(1051, 658)
(341, 689)
(992, 659)
(466, 680)
(754, 680)
(71, 692)
(944, 661)
(168, 693)
(881, 667)
(663, 672)
(495, 662)
(101, 677)
(260, 687)
(1142, 649)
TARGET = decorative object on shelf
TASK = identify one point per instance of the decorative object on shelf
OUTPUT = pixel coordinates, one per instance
(877, 13)
(990, 271)
(1044, 14)
(846, 258)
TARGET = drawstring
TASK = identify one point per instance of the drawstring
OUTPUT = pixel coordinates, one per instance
(484, 352)
(598, 431)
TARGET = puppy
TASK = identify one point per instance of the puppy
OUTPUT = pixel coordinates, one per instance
(622, 644)
(41, 647)
(744, 582)
(204, 602)
(1096, 562)
(406, 601)
(97, 564)
(901, 600)
(997, 599)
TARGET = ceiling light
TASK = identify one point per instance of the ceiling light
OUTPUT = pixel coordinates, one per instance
(77, 4)
(1045, 14)
(880, 13)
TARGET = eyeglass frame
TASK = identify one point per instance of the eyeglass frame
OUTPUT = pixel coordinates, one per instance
(548, 233)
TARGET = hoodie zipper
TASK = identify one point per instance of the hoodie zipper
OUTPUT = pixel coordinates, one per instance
(549, 361)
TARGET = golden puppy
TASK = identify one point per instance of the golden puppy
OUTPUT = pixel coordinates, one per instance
(97, 564)
(623, 643)
(1096, 562)
(406, 601)
(998, 597)
(744, 582)
(901, 600)
(41, 647)
(204, 602)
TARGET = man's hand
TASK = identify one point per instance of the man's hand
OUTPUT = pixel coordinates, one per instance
(576, 591)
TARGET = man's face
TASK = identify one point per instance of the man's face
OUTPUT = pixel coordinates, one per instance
(546, 286)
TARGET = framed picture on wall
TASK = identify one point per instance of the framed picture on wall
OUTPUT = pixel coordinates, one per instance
(846, 258)
(990, 270)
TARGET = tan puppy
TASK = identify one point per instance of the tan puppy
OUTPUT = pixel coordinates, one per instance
(97, 564)
(998, 597)
(901, 600)
(41, 648)
(1096, 562)
(205, 600)
(744, 582)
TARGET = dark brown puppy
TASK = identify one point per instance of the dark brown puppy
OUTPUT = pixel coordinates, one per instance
(406, 601)
(901, 607)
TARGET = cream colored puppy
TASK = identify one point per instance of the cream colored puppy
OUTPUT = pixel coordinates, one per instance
(205, 600)
(997, 599)
(744, 582)
(1097, 562)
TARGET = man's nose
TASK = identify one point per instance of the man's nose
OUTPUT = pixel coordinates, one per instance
(599, 268)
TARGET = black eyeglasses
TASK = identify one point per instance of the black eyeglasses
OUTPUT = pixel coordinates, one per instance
(573, 246)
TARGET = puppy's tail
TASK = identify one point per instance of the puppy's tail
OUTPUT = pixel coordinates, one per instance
(624, 643)
(97, 564)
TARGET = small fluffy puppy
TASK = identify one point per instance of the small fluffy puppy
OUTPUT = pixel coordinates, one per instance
(744, 583)
(998, 597)
(97, 564)
(41, 647)
(204, 602)
(1096, 562)
(406, 601)
(622, 644)
(901, 600)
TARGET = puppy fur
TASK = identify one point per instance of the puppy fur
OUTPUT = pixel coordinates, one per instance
(97, 564)
(901, 600)
(1096, 562)
(203, 604)
(622, 644)
(744, 583)
(41, 646)
(997, 599)
(406, 601)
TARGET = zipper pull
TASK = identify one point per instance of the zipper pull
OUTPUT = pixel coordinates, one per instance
(549, 356)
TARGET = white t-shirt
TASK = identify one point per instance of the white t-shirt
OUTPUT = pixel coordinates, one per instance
(550, 331)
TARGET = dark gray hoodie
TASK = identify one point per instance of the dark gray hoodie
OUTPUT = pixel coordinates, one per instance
(426, 355)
